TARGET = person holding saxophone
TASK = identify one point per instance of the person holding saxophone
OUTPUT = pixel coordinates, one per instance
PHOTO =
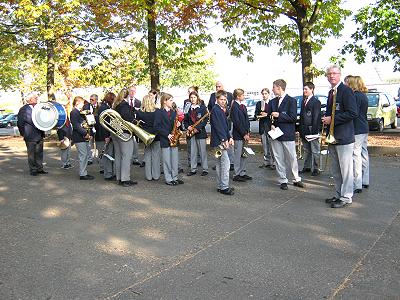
(166, 125)
(195, 121)
(221, 140)
(341, 110)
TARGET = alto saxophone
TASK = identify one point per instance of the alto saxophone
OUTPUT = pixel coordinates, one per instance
(191, 133)
(176, 133)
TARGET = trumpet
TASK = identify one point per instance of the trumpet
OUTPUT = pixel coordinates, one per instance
(124, 130)
(330, 139)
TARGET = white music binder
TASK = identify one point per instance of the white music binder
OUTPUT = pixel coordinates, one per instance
(275, 133)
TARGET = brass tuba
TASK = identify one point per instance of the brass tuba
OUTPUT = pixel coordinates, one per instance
(330, 139)
(112, 121)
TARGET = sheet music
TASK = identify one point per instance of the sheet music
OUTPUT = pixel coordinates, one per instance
(249, 150)
(275, 133)
(311, 137)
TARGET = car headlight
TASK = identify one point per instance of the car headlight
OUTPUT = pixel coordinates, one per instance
(369, 117)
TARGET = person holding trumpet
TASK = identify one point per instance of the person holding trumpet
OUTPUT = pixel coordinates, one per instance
(221, 140)
(341, 110)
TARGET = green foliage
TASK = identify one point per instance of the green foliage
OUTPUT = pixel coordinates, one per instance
(378, 25)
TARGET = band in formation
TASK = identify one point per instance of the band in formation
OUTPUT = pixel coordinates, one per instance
(121, 121)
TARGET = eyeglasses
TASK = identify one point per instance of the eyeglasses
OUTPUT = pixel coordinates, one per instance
(218, 86)
(332, 73)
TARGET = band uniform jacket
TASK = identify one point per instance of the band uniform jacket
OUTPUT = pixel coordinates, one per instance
(148, 119)
(26, 127)
(287, 117)
(240, 120)
(78, 132)
(361, 123)
(264, 124)
(101, 132)
(345, 113)
(310, 117)
(192, 116)
(163, 125)
(219, 127)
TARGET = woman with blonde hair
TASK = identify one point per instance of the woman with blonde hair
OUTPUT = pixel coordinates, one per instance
(152, 152)
(361, 128)
(123, 150)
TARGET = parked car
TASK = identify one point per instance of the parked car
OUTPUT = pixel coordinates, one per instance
(398, 107)
(9, 121)
(251, 108)
(382, 110)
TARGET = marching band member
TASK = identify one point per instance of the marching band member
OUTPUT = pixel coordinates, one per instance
(264, 125)
(186, 107)
(134, 104)
(164, 122)
(123, 150)
(310, 120)
(80, 137)
(152, 152)
(284, 110)
(198, 140)
(341, 153)
(241, 135)
(32, 135)
(221, 140)
(106, 144)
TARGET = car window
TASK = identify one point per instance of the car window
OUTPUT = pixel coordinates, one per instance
(373, 100)
(384, 99)
(391, 100)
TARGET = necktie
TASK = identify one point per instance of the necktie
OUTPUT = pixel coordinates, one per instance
(242, 106)
(169, 114)
(305, 101)
(131, 102)
(330, 97)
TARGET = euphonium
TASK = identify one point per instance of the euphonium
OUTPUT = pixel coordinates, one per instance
(176, 133)
(112, 121)
(330, 139)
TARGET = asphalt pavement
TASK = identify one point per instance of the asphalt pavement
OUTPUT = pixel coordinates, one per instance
(62, 238)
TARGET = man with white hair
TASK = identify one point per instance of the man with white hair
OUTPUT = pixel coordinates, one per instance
(33, 136)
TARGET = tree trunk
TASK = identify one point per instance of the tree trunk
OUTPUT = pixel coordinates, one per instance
(152, 45)
(50, 70)
(305, 52)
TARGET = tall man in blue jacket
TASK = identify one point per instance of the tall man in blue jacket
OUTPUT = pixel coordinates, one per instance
(284, 111)
(310, 120)
(33, 136)
(341, 152)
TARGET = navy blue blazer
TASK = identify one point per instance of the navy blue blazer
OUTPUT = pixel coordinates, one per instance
(148, 119)
(164, 125)
(346, 112)
(212, 101)
(219, 127)
(240, 120)
(264, 124)
(101, 132)
(287, 117)
(78, 132)
(26, 127)
(310, 117)
(125, 111)
(361, 123)
(199, 113)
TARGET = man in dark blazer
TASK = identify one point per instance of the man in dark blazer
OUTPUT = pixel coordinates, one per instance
(310, 120)
(284, 111)
(134, 104)
(341, 151)
(33, 137)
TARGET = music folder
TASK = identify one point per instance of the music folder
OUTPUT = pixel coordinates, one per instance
(311, 137)
(275, 133)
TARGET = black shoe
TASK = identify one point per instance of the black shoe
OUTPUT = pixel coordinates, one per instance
(339, 204)
(128, 183)
(239, 178)
(179, 181)
(34, 173)
(142, 164)
(247, 177)
(232, 189)
(86, 177)
(357, 191)
(191, 173)
(315, 173)
(305, 170)
(232, 167)
(171, 183)
(109, 178)
(90, 163)
(365, 186)
(331, 200)
(136, 163)
(227, 191)
(42, 172)
(101, 172)
(298, 184)
(214, 168)
(284, 186)
(204, 173)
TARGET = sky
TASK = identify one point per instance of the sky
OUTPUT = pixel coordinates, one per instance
(268, 65)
